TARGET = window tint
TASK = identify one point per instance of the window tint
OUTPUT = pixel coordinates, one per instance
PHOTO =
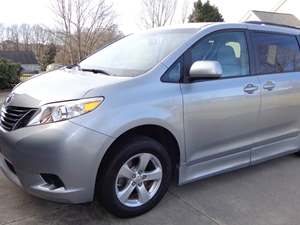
(228, 48)
(276, 53)
(135, 54)
(173, 74)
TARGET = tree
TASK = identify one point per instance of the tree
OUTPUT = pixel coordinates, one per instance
(158, 13)
(9, 74)
(205, 13)
(2, 35)
(49, 56)
(12, 34)
(81, 24)
(40, 38)
(185, 10)
(25, 32)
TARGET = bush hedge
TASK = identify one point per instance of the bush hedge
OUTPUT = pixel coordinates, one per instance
(9, 74)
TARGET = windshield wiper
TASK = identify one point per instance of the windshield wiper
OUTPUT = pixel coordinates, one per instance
(72, 66)
(96, 71)
(88, 70)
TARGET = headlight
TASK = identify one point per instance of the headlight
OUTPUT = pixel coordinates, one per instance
(60, 111)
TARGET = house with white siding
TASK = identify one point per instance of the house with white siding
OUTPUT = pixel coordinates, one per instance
(284, 12)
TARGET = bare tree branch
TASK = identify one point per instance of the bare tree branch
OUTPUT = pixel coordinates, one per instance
(82, 27)
(158, 13)
(25, 33)
(82, 23)
(185, 10)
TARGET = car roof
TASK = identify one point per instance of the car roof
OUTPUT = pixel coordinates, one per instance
(195, 27)
(251, 25)
(261, 26)
(184, 26)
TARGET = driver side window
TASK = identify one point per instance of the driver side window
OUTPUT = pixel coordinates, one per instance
(228, 48)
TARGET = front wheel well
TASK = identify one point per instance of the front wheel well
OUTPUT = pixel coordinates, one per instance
(160, 134)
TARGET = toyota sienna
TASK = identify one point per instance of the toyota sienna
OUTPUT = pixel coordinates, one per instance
(185, 102)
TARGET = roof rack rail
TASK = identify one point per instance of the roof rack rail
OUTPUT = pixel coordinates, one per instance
(271, 24)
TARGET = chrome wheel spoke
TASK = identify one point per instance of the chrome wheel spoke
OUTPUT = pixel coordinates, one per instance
(144, 161)
(125, 194)
(153, 175)
(143, 194)
(138, 179)
(126, 172)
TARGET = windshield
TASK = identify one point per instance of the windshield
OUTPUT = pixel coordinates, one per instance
(136, 54)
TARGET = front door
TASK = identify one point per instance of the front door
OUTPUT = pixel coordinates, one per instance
(220, 116)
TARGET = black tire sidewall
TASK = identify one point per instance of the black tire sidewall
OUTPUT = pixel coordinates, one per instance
(125, 152)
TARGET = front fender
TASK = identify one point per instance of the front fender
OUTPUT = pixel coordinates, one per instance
(157, 104)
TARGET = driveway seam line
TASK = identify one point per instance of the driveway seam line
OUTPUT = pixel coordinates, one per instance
(197, 210)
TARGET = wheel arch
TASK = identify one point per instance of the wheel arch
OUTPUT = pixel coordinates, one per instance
(157, 132)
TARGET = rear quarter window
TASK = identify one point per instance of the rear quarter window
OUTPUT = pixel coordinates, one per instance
(276, 53)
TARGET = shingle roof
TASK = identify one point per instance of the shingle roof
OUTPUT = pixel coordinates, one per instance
(279, 18)
(21, 57)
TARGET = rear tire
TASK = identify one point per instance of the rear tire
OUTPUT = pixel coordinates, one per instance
(135, 178)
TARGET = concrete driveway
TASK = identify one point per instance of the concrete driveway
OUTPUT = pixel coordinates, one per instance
(267, 194)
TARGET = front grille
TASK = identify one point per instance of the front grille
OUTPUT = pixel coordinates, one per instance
(13, 117)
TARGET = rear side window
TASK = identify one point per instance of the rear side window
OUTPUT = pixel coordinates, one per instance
(276, 53)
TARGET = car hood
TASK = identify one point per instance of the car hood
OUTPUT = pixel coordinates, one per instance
(59, 85)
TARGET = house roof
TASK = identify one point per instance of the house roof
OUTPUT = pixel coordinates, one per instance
(274, 17)
(21, 57)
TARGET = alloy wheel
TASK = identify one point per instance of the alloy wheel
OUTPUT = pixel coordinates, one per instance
(138, 180)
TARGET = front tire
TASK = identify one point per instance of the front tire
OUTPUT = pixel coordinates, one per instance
(136, 177)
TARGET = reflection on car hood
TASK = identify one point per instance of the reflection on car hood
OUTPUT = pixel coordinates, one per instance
(59, 85)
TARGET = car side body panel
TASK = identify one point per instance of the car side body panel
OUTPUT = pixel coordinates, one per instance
(220, 123)
(137, 102)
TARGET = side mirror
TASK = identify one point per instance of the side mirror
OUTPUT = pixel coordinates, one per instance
(206, 69)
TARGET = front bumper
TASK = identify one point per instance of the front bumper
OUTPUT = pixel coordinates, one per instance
(64, 149)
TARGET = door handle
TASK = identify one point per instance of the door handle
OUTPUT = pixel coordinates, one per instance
(250, 88)
(269, 86)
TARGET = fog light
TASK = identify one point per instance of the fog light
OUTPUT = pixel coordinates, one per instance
(53, 181)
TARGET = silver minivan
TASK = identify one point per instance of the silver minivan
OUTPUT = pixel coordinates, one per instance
(181, 102)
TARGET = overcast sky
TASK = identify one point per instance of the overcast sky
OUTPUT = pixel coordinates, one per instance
(128, 11)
